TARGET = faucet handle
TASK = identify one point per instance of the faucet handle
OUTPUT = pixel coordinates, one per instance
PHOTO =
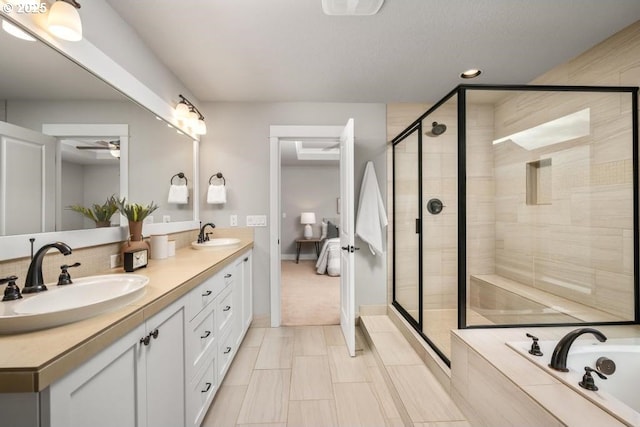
(535, 347)
(12, 291)
(65, 278)
(587, 380)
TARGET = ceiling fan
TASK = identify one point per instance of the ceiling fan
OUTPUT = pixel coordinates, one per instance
(112, 146)
(104, 145)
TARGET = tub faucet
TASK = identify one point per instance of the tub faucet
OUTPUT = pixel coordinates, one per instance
(34, 281)
(559, 357)
(202, 237)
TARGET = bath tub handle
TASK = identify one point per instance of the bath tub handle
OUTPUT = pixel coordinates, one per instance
(535, 347)
(587, 380)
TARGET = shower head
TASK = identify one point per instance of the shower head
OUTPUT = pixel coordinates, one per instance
(437, 129)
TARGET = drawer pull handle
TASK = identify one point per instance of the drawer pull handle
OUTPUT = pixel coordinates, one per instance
(226, 276)
(246, 259)
(228, 350)
(227, 308)
(145, 340)
(207, 388)
(154, 334)
(206, 334)
(207, 293)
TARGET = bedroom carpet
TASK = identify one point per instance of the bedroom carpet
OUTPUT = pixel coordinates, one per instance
(308, 298)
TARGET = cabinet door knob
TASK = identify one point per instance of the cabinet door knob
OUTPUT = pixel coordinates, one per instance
(154, 334)
(206, 293)
(246, 259)
(206, 334)
(145, 340)
(228, 350)
(226, 276)
(227, 308)
(207, 387)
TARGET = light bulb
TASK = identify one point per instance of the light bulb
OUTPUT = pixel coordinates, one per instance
(16, 31)
(201, 127)
(64, 21)
(182, 110)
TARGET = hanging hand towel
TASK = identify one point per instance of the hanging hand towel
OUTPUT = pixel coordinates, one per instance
(217, 194)
(372, 217)
(178, 194)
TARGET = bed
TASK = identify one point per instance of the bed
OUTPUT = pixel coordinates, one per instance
(329, 258)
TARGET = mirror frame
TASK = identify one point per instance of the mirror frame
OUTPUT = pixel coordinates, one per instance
(96, 62)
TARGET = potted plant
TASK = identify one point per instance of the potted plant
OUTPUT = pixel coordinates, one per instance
(135, 213)
(100, 214)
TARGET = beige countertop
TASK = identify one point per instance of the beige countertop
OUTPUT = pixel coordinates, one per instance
(30, 362)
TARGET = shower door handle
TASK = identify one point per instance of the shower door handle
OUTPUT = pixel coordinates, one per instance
(418, 226)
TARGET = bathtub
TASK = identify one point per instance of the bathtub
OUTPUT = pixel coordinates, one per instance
(619, 394)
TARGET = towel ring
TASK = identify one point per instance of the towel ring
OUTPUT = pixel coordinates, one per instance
(180, 175)
(219, 176)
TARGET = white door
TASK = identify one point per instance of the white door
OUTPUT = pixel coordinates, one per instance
(347, 278)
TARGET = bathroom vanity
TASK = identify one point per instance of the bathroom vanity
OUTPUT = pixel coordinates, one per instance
(155, 362)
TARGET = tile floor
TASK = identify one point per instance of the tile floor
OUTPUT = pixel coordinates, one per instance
(302, 376)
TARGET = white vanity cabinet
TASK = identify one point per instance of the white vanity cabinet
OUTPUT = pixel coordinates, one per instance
(137, 381)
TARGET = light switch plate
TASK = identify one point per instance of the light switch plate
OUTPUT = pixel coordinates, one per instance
(166, 218)
(256, 220)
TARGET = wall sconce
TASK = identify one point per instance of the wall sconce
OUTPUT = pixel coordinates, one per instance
(191, 116)
(64, 20)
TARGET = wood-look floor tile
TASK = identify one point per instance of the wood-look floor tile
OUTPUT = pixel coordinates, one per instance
(254, 337)
(267, 397)
(262, 425)
(226, 406)
(283, 331)
(312, 413)
(275, 353)
(444, 424)
(242, 366)
(345, 368)
(309, 341)
(356, 406)
(422, 395)
(311, 378)
(394, 349)
(333, 335)
(383, 394)
(361, 342)
(379, 324)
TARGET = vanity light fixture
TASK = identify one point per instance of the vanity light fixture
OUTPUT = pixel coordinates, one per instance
(64, 20)
(471, 73)
(191, 116)
(16, 31)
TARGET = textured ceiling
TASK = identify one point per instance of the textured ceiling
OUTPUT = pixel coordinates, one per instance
(411, 51)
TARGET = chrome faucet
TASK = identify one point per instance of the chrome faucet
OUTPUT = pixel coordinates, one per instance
(202, 237)
(34, 281)
(559, 356)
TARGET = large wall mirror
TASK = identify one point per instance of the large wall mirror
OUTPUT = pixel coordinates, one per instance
(68, 138)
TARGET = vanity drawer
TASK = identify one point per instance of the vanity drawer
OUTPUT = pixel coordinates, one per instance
(224, 310)
(200, 339)
(226, 351)
(200, 394)
(203, 295)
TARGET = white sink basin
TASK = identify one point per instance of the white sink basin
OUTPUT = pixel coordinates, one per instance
(216, 243)
(86, 297)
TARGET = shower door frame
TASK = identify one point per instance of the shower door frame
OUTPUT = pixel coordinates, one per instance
(461, 91)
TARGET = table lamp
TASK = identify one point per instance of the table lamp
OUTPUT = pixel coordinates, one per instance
(308, 218)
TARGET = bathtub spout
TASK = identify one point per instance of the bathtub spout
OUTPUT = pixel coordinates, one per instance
(559, 357)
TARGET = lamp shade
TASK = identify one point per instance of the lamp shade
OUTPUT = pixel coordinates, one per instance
(307, 218)
(64, 21)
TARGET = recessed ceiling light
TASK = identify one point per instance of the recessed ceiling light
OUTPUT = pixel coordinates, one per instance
(470, 74)
(351, 7)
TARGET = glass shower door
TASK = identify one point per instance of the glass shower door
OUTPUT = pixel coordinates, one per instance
(406, 247)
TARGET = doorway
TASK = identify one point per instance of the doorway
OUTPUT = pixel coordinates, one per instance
(342, 137)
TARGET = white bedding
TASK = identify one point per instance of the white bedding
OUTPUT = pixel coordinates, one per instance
(329, 259)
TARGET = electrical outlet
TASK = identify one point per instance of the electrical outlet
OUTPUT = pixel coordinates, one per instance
(233, 220)
(166, 218)
(115, 261)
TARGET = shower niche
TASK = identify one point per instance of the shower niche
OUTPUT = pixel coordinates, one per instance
(536, 219)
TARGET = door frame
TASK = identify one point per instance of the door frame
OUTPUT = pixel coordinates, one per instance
(276, 135)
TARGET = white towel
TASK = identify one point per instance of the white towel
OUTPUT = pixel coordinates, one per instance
(372, 218)
(178, 194)
(217, 194)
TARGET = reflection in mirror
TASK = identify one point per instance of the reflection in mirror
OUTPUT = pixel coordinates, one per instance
(40, 87)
